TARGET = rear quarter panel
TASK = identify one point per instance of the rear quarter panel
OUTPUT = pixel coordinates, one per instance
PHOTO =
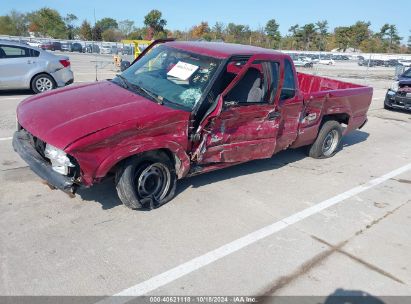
(324, 96)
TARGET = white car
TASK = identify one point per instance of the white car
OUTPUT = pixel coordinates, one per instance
(326, 61)
(26, 67)
(105, 49)
(406, 63)
(34, 43)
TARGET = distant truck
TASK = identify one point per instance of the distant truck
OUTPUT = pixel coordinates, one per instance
(181, 109)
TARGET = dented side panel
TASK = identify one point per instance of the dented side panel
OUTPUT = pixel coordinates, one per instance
(240, 133)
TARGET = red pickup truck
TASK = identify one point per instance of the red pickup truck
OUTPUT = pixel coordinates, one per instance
(183, 108)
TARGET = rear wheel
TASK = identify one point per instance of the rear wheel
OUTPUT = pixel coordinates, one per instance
(42, 83)
(328, 140)
(146, 181)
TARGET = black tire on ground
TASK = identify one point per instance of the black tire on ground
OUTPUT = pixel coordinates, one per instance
(42, 83)
(386, 106)
(328, 140)
(146, 181)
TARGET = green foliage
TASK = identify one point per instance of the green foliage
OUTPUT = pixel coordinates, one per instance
(273, 34)
(85, 31)
(106, 24)
(96, 33)
(68, 20)
(154, 21)
(111, 35)
(389, 35)
(48, 23)
(126, 27)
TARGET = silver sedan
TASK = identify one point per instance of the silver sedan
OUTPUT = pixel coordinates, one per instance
(26, 67)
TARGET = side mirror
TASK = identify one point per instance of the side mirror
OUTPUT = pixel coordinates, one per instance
(124, 65)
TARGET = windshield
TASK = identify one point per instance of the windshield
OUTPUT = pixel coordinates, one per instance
(168, 75)
(407, 73)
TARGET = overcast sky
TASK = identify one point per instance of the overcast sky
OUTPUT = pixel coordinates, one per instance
(182, 14)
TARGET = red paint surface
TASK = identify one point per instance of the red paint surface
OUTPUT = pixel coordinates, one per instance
(101, 124)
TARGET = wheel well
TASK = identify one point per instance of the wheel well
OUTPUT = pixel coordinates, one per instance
(342, 118)
(168, 153)
(42, 73)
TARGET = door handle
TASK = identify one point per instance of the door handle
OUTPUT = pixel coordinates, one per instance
(29, 61)
(273, 115)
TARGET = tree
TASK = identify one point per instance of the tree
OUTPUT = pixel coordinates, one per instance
(273, 33)
(322, 30)
(6, 27)
(154, 22)
(47, 22)
(96, 33)
(126, 27)
(68, 20)
(308, 34)
(218, 30)
(111, 35)
(199, 31)
(137, 34)
(343, 37)
(359, 32)
(409, 43)
(106, 24)
(14, 24)
(86, 31)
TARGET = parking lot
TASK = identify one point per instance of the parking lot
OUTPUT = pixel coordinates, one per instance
(289, 225)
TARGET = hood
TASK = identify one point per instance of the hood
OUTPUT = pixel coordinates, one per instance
(404, 81)
(62, 116)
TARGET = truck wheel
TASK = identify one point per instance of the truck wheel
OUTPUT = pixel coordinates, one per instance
(146, 181)
(328, 140)
(42, 83)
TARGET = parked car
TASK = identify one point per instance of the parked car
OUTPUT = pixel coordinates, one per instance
(370, 63)
(182, 109)
(66, 46)
(34, 43)
(92, 48)
(26, 67)
(303, 62)
(406, 63)
(126, 50)
(391, 63)
(399, 95)
(114, 50)
(51, 46)
(76, 47)
(105, 49)
(326, 60)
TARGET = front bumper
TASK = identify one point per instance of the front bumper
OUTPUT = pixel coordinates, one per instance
(398, 100)
(23, 146)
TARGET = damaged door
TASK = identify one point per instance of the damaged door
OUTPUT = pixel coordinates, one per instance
(245, 124)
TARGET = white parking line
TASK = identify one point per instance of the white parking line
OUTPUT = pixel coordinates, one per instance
(13, 98)
(5, 138)
(225, 250)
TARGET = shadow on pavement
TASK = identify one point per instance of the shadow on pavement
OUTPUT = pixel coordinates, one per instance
(342, 296)
(105, 192)
(9, 93)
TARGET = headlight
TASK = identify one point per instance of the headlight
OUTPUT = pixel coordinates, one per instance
(59, 160)
(395, 86)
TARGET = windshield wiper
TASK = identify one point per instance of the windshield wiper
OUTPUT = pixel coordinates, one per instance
(124, 81)
(156, 98)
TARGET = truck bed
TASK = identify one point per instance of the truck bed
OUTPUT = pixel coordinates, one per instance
(347, 102)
